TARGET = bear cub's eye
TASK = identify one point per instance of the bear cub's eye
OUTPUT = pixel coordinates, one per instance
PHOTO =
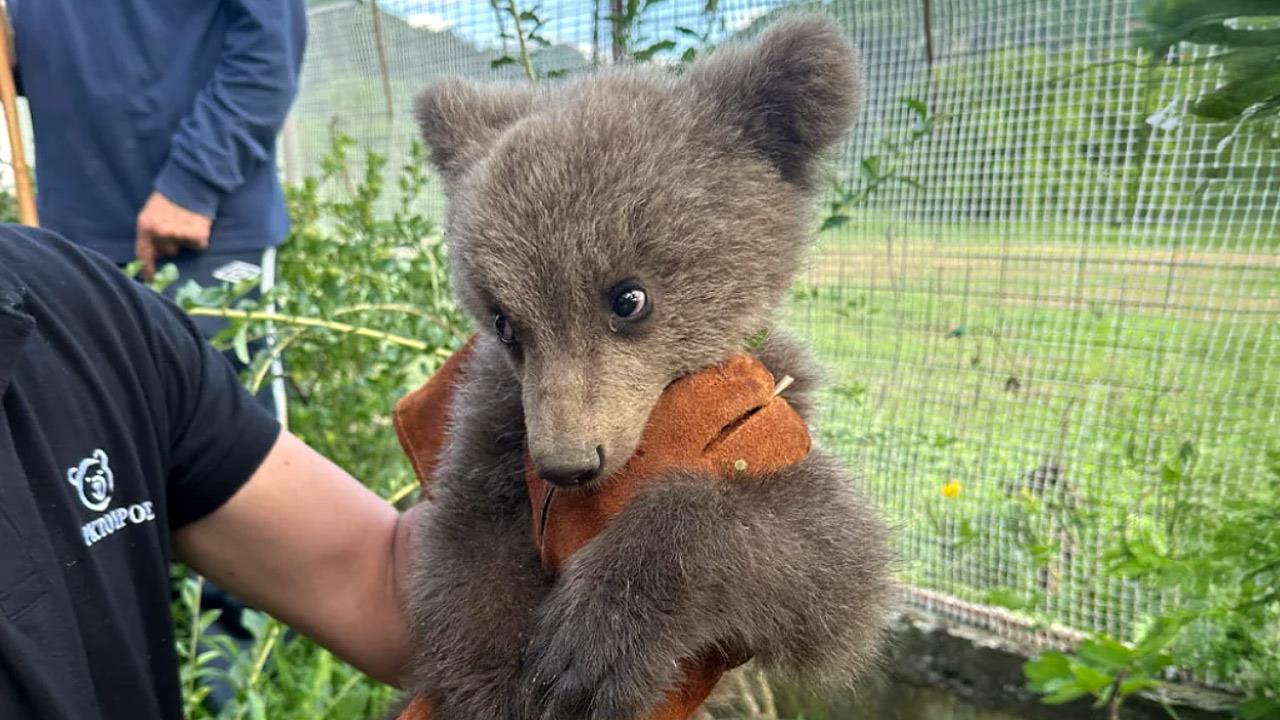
(502, 325)
(630, 302)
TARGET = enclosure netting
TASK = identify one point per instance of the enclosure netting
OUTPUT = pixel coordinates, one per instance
(1049, 308)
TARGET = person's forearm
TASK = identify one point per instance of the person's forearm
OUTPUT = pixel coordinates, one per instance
(366, 622)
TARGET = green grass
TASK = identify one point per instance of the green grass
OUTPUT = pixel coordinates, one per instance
(1149, 377)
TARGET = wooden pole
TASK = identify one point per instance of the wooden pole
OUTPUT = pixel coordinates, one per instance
(927, 16)
(383, 65)
(9, 98)
(619, 34)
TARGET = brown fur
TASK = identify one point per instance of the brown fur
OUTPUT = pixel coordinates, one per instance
(700, 187)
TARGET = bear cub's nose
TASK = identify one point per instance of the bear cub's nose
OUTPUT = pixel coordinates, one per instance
(571, 467)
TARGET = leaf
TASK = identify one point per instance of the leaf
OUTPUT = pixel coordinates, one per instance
(207, 657)
(1163, 630)
(1128, 568)
(648, 53)
(1065, 694)
(1049, 666)
(1106, 653)
(504, 60)
(1090, 678)
(1231, 99)
(871, 167)
(833, 221)
(1177, 574)
(1254, 23)
(688, 55)
(1259, 709)
(241, 344)
(1148, 546)
(1138, 684)
(689, 32)
(1042, 553)
(165, 276)
(553, 74)
(917, 105)
(351, 705)
(255, 622)
(1013, 599)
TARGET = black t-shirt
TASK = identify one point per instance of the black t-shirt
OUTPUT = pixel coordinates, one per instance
(119, 424)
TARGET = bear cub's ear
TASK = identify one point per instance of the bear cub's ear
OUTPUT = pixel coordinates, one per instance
(792, 93)
(457, 117)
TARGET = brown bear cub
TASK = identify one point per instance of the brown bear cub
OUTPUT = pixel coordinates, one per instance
(612, 234)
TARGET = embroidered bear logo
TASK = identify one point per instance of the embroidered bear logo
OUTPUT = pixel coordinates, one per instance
(94, 481)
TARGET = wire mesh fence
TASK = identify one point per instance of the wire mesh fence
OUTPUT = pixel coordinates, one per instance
(1048, 302)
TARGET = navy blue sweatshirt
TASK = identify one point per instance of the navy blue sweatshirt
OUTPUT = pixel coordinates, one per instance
(185, 97)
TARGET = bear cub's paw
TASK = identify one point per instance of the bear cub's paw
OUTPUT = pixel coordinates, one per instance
(594, 659)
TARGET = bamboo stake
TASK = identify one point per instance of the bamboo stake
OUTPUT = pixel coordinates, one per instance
(9, 98)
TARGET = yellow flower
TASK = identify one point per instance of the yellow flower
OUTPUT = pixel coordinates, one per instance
(951, 490)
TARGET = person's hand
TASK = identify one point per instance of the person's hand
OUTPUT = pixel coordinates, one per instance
(164, 227)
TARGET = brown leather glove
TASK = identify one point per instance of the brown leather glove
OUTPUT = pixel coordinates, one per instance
(726, 421)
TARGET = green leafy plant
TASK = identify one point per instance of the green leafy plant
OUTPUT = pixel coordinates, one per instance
(1220, 558)
(632, 42)
(526, 30)
(881, 169)
(628, 36)
(702, 40)
(1104, 668)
